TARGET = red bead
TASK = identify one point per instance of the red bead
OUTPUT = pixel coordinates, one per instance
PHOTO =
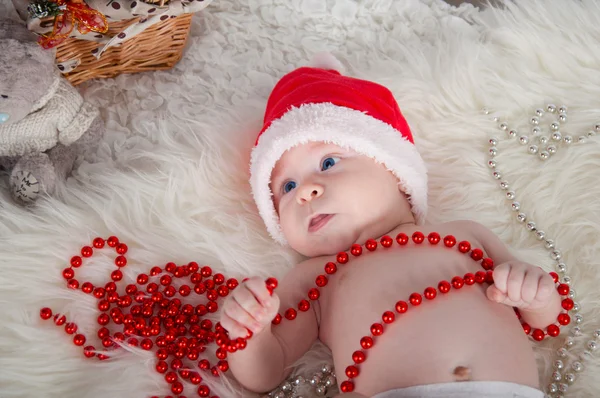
(388, 317)
(223, 366)
(98, 243)
(457, 282)
(477, 254)
(110, 287)
(538, 335)
(76, 261)
(554, 276)
(222, 290)
(377, 329)
(232, 283)
(290, 314)
(371, 245)
(73, 284)
(142, 279)
(46, 313)
(401, 307)
(352, 371)
(121, 248)
(487, 264)
(206, 271)
(568, 304)
(430, 293)
(564, 319)
(469, 279)
(193, 267)
(444, 287)
(347, 386)
(418, 237)
(87, 251)
(204, 364)
(356, 250)
(321, 280)
(553, 330)
(103, 305)
(219, 279)
(99, 292)
(366, 342)
(415, 299)
(304, 306)
(79, 339)
(526, 328)
(276, 320)
(176, 364)
(314, 294)
(88, 351)
(563, 289)
(359, 357)
(464, 246)
(120, 261)
(70, 328)
(151, 287)
(434, 238)
(155, 271)
(402, 239)
(489, 276)
(171, 377)
(185, 290)
(102, 357)
(170, 267)
(102, 333)
(103, 319)
(68, 273)
(195, 378)
(203, 391)
(386, 241)
(480, 277)
(112, 241)
(342, 258)
(59, 320)
(165, 280)
(161, 367)
(449, 241)
(271, 284)
(330, 268)
(116, 275)
(87, 287)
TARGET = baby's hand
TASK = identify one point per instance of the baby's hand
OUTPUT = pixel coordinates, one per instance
(250, 306)
(521, 285)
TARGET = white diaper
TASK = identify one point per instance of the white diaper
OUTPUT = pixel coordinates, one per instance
(465, 389)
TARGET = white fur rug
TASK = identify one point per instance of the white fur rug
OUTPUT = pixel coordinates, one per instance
(171, 178)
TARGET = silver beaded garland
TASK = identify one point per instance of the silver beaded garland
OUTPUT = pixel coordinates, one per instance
(319, 383)
(544, 149)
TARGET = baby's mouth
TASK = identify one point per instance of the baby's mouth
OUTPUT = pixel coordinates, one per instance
(318, 222)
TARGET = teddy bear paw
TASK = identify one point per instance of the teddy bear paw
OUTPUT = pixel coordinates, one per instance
(32, 176)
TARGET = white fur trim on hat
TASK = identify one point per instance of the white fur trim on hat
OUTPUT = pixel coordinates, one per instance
(345, 127)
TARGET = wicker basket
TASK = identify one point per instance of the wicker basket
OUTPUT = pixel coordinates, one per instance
(160, 46)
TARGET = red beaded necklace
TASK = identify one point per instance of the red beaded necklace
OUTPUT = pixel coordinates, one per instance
(179, 331)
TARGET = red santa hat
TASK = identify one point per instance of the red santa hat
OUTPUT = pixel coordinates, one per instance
(319, 104)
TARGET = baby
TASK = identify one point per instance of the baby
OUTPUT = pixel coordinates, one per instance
(334, 166)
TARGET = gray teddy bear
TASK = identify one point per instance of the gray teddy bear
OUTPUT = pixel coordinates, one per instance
(44, 121)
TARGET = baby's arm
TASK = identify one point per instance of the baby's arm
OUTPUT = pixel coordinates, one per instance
(519, 284)
(266, 361)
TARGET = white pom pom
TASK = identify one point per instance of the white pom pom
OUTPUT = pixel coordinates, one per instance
(326, 60)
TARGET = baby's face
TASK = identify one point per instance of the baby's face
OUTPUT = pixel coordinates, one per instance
(328, 198)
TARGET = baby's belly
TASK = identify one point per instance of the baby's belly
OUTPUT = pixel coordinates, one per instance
(428, 343)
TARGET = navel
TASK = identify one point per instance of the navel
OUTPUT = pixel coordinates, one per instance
(462, 373)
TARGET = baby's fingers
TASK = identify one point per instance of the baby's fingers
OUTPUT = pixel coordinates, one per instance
(234, 328)
(239, 314)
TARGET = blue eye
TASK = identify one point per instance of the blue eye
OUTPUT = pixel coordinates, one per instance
(288, 186)
(328, 163)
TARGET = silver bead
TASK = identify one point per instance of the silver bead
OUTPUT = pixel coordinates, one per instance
(510, 195)
(320, 391)
(534, 120)
(503, 126)
(562, 109)
(591, 133)
(562, 118)
(562, 352)
(493, 141)
(551, 108)
(316, 380)
(562, 267)
(492, 164)
(597, 128)
(562, 387)
(576, 331)
(493, 151)
(299, 380)
(551, 149)
(544, 155)
(554, 126)
(558, 364)
(539, 112)
(504, 185)
(586, 355)
(531, 226)
(581, 139)
(523, 140)
(556, 136)
(577, 366)
(552, 388)
(597, 334)
(576, 307)
(571, 293)
(569, 341)
(556, 376)
(567, 139)
(495, 118)
(543, 139)
(567, 280)
(512, 133)
(592, 345)
(540, 234)
(515, 206)
(533, 149)
(286, 387)
(497, 175)
(485, 111)
(280, 394)
(521, 217)
(578, 320)
(326, 368)
(330, 381)
(536, 130)
(549, 244)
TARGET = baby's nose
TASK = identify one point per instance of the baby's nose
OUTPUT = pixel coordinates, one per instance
(308, 192)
